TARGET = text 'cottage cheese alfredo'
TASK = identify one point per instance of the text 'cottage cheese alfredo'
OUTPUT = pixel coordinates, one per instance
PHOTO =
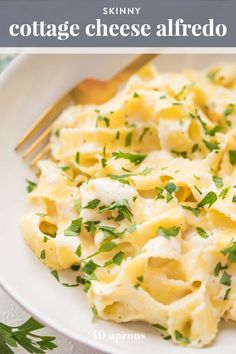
(139, 197)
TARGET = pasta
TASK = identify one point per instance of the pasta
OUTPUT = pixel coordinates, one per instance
(140, 194)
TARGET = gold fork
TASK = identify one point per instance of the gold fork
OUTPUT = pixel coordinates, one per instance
(88, 91)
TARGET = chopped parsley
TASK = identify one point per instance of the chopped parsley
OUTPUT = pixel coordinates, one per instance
(77, 204)
(136, 95)
(209, 199)
(224, 193)
(225, 279)
(92, 204)
(128, 139)
(122, 207)
(202, 232)
(229, 110)
(75, 267)
(182, 154)
(110, 232)
(55, 274)
(43, 254)
(139, 281)
(168, 232)
(197, 189)
(78, 251)
(212, 75)
(91, 226)
(195, 148)
(117, 259)
(226, 296)
(210, 132)
(104, 162)
(145, 130)
(136, 159)
(64, 168)
(218, 268)
(122, 178)
(212, 146)
(74, 228)
(218, 181)
(157, 325)
(105, 247)
(180, 338)
(232, 157)
(77, 157)
(234, 199)
(195, 211)
(30, 186)
(89, 267)
(230, 252)
(101, 118)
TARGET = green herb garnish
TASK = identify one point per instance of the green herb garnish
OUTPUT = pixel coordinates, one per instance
(122, 207)
(168, 232)
(218, 181)
(92, 204)
(209, 199)
(74, 228)
(202, 232)
(128, 139)
(180, 338)
(30, 186)
(232, 157)
(225, 279)
(136, 159)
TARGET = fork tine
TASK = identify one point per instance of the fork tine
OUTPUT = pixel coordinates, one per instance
(41, 154)
(44, 118)
(35, 145)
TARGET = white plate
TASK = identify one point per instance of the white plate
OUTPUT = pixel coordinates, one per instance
(26, 88)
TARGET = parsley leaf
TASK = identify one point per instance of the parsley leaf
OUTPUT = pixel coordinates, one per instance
(218, 181)
(23, 336)
(77, 157)
(225, 279)
(218, 268)
(145, 130)
(105, 247)
(212, 145)
(195, 211)
(134, 158)
(180, 338)
(209, 199)
(128, 139)
(229, 110)
(30, 186)
(230, 252)
(180, 153)
(92, 204)
(168, 232)
(117, 259)
(101, 118)
(122, 207)
(110, 232)
(232, 157)
(122, 178)
(202, 232)
(74, 228)
(89, 267)
(157, 325)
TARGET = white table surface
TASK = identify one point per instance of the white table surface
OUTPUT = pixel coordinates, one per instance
(12, 314)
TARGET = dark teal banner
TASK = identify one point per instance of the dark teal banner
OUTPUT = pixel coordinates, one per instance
(117, 23)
